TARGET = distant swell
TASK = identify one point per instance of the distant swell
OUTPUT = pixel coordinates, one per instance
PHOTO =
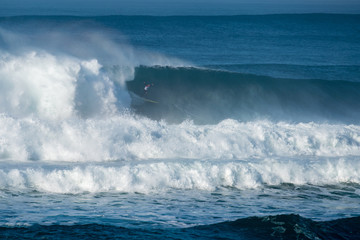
(209, 96)
(269, 227)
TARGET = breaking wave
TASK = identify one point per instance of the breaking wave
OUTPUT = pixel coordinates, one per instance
(209, 96)
(69, 98)
(159, 176)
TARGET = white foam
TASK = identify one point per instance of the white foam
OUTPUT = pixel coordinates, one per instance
(128, 137)
(72, 107)
(182, 174)
(50, 87)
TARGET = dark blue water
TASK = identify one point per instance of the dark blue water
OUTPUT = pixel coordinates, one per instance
(272, 227)
(210, 96)
(254, 132)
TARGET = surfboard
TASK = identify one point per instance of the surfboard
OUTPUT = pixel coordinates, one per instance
(148, 100)
(138, 98)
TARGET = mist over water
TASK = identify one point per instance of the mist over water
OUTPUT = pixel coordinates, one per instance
(75, 71)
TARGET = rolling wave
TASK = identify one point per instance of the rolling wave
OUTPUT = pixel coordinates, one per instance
(129, 137)
(209, 96)
(227, 141)
(165, 175)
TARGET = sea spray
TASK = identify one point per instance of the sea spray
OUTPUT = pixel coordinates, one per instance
(131, 137)
(164, 175)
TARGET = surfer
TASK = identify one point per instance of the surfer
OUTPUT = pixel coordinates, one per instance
(147, 86)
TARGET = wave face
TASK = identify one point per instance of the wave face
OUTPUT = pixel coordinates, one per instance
(209, 96)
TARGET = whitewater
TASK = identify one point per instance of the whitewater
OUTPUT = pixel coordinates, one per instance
(231, 137)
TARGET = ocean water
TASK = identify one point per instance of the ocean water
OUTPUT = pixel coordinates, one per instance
(255, 133)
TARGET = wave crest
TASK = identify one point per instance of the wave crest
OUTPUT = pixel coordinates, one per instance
(130, 137)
